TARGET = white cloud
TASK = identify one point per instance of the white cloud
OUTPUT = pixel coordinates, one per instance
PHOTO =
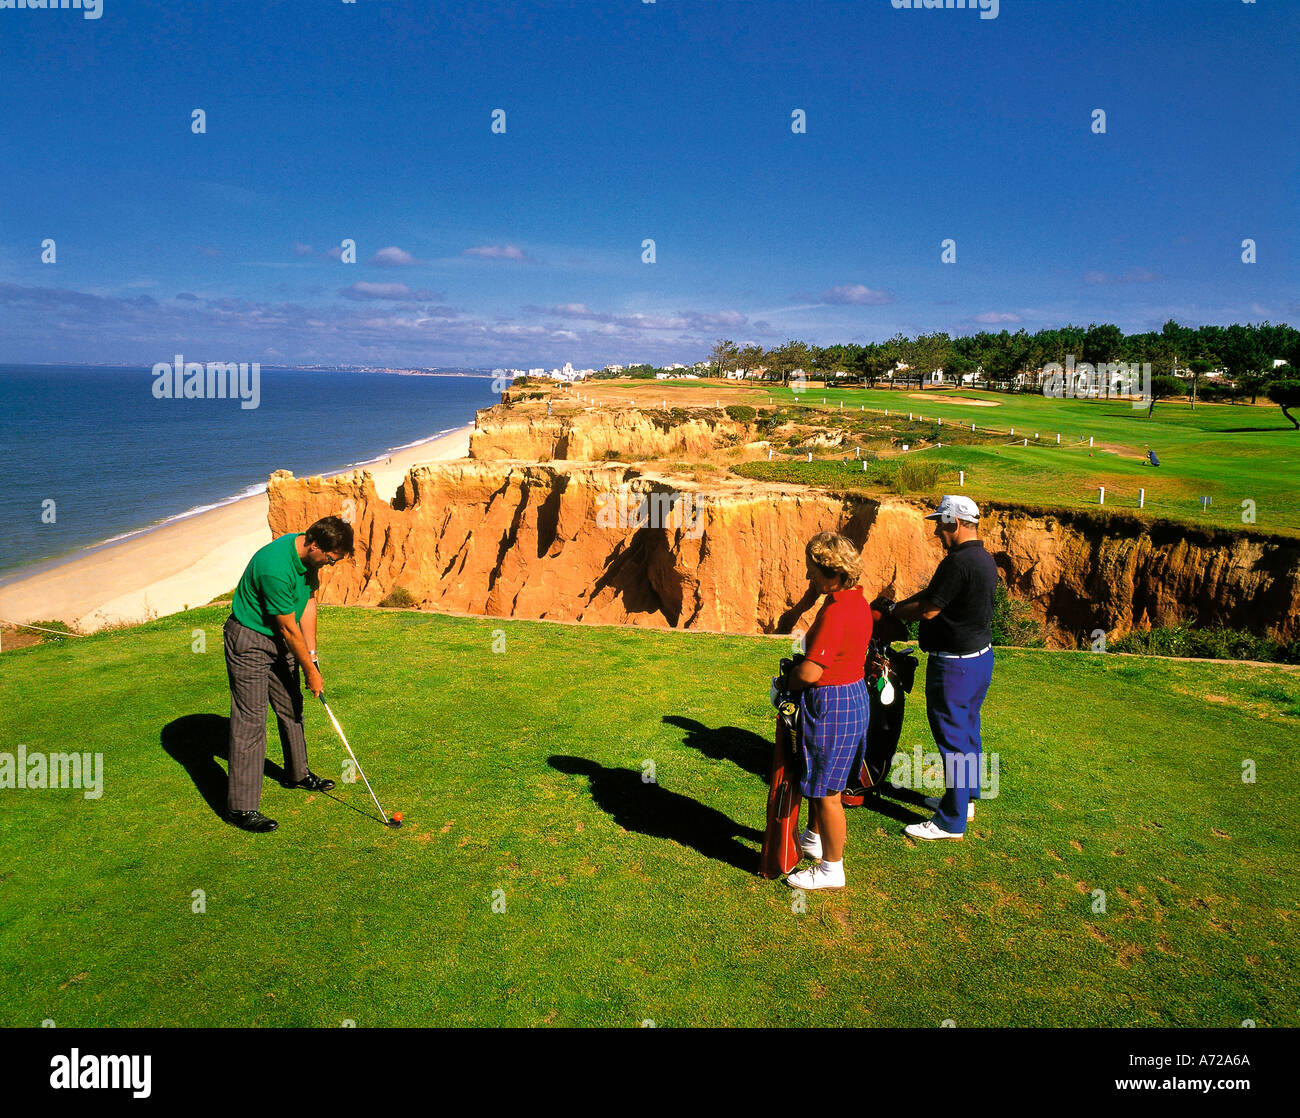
(497, 252)
(393, 257)
(857, 295)
(359, 291)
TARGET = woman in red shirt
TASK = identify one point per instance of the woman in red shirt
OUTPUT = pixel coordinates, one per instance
(833, 701)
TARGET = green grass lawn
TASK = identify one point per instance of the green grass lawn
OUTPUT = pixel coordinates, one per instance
(626, 901)
(1228, 453)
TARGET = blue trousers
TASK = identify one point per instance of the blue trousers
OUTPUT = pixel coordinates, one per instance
(954, 692)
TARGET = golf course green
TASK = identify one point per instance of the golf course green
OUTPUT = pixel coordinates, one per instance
(1235, 455)
(583, 811)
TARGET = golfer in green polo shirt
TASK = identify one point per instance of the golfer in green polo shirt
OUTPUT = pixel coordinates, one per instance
(270, 632)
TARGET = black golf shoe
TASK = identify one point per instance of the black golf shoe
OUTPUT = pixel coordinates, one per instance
(312, 783)
(253, 821)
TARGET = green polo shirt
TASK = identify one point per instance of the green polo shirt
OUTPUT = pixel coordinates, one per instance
(275, 582)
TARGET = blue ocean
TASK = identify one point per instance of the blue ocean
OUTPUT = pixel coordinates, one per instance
(114, 458)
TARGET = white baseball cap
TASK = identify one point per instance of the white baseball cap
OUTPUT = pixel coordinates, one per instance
(953, 508)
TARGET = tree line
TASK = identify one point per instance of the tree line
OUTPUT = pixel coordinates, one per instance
(1246, 354)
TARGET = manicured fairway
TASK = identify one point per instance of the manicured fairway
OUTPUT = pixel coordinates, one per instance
(523, 778)
(1231, 454)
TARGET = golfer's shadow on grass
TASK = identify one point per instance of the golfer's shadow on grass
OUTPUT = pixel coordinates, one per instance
(727, 743)
(198, 741)
(652, 810)
(889, 802)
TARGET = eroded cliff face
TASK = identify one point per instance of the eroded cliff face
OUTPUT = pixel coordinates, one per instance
(1083, 573)
(631, 435)
(615, 544)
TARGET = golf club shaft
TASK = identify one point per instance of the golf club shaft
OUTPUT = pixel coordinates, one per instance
(362, 771)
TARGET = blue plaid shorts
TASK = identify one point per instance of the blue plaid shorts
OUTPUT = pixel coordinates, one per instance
(834, 733)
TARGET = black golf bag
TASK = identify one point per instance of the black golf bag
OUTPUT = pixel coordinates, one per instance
(885, 724)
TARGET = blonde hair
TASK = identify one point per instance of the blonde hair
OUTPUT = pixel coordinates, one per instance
(835, 554)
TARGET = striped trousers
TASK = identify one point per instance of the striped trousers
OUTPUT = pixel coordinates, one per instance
(260, 669)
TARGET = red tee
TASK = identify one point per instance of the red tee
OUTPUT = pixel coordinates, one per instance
(839, 636)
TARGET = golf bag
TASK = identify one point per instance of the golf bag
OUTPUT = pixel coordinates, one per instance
(781, 838)
(889, 674)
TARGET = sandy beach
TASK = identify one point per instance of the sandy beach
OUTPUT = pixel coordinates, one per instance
(181, 564)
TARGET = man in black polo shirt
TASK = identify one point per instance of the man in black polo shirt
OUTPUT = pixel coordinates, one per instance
(956, 616)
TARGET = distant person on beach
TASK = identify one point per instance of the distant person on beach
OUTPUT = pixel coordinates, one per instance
(833, 700)
(956, 629)
(270, 632)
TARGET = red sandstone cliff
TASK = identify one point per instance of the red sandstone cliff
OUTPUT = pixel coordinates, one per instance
(547, 540)
(592, 436)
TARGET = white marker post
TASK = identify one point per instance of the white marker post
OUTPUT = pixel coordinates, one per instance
(1058, 438)
(961, 478)
(1142, 497)
(1101, 494)
(810, 456)
(1090, 440)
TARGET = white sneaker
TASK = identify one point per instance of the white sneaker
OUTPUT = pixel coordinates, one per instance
(932, 802)
(817, 877)
(928, 830)
(810, 844)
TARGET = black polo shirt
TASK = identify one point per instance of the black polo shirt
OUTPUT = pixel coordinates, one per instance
(962, 588)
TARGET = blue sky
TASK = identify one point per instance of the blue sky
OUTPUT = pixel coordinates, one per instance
(626, 121)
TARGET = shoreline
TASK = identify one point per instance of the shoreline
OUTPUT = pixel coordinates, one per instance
(185, 560)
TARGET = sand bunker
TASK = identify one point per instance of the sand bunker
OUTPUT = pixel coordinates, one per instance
(939, 398)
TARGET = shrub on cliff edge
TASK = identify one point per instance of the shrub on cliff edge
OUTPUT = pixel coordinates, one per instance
(741, 413)
(1014, 622)
(1207, 644)
(398, 598)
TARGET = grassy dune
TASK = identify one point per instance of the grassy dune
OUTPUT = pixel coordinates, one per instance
(625, 900)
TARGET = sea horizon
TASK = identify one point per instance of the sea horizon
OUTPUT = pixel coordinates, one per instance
(173, 459)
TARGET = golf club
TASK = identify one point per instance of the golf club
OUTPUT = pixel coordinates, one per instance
(395, 822)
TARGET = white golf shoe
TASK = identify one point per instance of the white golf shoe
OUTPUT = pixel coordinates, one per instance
(928, 830)
(819, 876)
(932, 802)
(810, 844)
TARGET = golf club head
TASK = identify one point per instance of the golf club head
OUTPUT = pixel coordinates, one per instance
(393, 823)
